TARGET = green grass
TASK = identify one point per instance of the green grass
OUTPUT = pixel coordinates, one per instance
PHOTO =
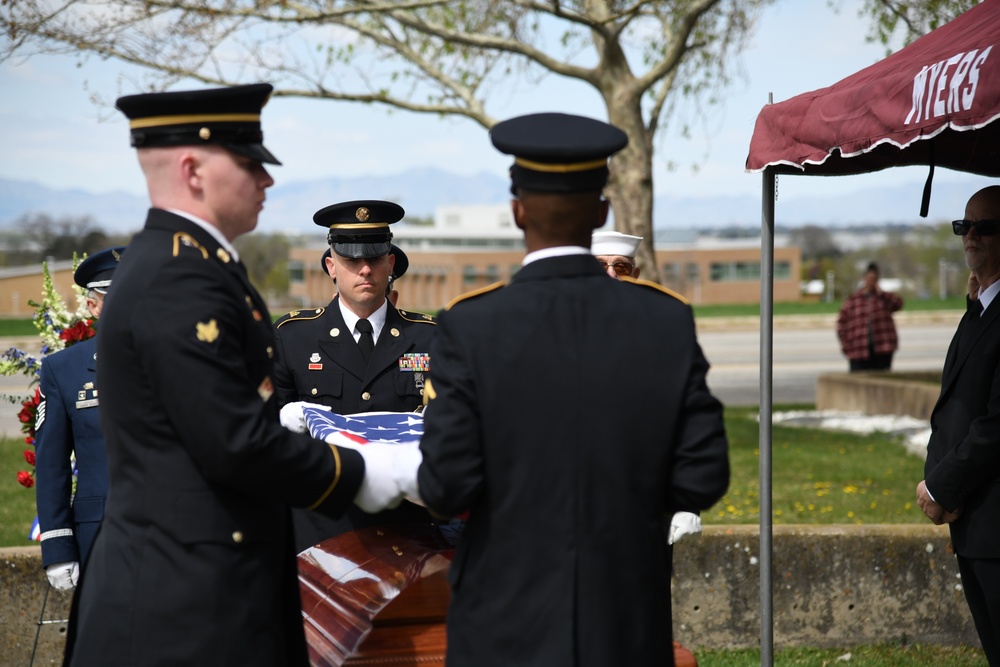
(882, 655)
(9, 327)
(815, 307)
(818, 477)
(17, 504)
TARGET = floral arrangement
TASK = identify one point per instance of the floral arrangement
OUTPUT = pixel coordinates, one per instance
(58, 327)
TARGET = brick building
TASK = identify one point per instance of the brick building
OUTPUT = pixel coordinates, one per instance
(468, 247)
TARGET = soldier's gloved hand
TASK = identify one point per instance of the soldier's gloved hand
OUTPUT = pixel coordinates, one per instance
(683, 524)
(406, 461)
(291, 416)
(380, 489)
(63, 576)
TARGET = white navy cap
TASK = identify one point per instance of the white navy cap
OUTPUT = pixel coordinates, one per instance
(614, 243)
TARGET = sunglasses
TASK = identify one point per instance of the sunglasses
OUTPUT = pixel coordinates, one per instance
(620, 268)
(983, 227)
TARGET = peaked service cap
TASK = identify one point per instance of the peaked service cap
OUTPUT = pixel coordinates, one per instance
(557, 152)
(228, 117)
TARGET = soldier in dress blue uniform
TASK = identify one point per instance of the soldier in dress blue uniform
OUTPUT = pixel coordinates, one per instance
(194, 562)
(321, 351)
(68, 425)
(563, 560)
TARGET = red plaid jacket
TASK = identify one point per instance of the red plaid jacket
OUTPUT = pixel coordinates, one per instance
(861, 314)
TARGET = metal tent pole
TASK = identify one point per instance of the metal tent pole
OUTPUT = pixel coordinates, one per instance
(766, 394)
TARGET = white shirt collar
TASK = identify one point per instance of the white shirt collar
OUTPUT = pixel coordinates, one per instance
(211, 229)
(377, 319)
(559, 251)
(986, 295)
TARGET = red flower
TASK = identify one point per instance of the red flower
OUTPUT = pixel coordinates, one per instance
(29, 456)
(25, 479)
(82, 330)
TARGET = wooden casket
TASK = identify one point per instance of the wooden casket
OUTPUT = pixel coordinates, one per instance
(378, 596)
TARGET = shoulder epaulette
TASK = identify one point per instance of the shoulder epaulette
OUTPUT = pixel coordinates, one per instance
(656, 286)
(188, 241)
(299, 316)
(474, 293)
(416, 317)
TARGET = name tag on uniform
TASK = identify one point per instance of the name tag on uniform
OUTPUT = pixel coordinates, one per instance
(86, 397)
(415, 362)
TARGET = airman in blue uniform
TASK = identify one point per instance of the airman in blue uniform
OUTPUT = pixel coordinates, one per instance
(68, 427)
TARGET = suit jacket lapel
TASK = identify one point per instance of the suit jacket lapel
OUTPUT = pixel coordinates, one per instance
(389, 347)
(970, 330)
(342, 348)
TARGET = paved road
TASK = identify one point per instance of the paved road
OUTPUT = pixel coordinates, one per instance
(804, 348)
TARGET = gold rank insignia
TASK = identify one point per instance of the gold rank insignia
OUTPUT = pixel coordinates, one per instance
(207, 331)
(223, 255)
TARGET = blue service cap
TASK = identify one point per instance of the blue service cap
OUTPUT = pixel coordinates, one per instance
(229, 117)
(95, 271)
(557, 152)
(359, 229)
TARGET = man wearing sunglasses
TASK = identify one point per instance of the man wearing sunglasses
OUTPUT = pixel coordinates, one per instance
(961, 485)
(616, 252)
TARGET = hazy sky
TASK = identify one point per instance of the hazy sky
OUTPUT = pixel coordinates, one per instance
(53, 134)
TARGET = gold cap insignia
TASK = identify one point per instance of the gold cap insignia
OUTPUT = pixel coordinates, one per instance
(204, 134)
(362, 214)
(207, 331)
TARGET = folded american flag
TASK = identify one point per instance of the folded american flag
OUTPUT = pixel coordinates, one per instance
(391, 427)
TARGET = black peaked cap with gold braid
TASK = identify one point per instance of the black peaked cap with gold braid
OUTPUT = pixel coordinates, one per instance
(557, 152)
(228, 117)
(360, 228)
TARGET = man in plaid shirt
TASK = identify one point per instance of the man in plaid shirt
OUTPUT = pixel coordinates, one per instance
(865, 328)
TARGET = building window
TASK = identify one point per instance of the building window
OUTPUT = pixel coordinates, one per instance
(469, 275)
(492, 273)
(744, 271)
(693, 272)
(296, 271)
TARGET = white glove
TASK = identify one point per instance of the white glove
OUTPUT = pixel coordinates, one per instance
(291, 416)
(683, 524)
(406, 460)
(63, 576)
(380, 489)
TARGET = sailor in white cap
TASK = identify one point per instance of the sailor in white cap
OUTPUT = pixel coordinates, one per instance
(616, 252)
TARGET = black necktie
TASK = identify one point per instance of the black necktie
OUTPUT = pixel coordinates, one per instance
(975, 306)
(366, 342)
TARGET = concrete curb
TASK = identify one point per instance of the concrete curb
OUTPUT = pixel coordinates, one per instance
(834, 587)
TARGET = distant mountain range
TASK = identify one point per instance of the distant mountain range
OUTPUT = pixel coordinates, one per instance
(290, 206)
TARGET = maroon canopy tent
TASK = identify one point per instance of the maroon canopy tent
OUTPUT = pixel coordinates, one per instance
(935, 103)
(932, 103)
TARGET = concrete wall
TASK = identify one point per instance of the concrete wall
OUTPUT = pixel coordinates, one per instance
(877, 394)
(834, 586)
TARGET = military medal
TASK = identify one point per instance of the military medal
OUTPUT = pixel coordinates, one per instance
(314, 362)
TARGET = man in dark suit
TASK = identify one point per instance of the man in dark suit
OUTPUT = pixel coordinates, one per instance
(321, 356)
(566, 481)
(961, 485)
(194, 563)
(68, 426)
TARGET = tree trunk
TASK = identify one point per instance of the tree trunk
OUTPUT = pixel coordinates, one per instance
(630, 187)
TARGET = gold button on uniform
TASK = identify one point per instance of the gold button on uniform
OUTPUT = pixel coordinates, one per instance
(237, 536)
(395, 332)
(270, 352)
(313, 391)
(334, 332)
(366, 396)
